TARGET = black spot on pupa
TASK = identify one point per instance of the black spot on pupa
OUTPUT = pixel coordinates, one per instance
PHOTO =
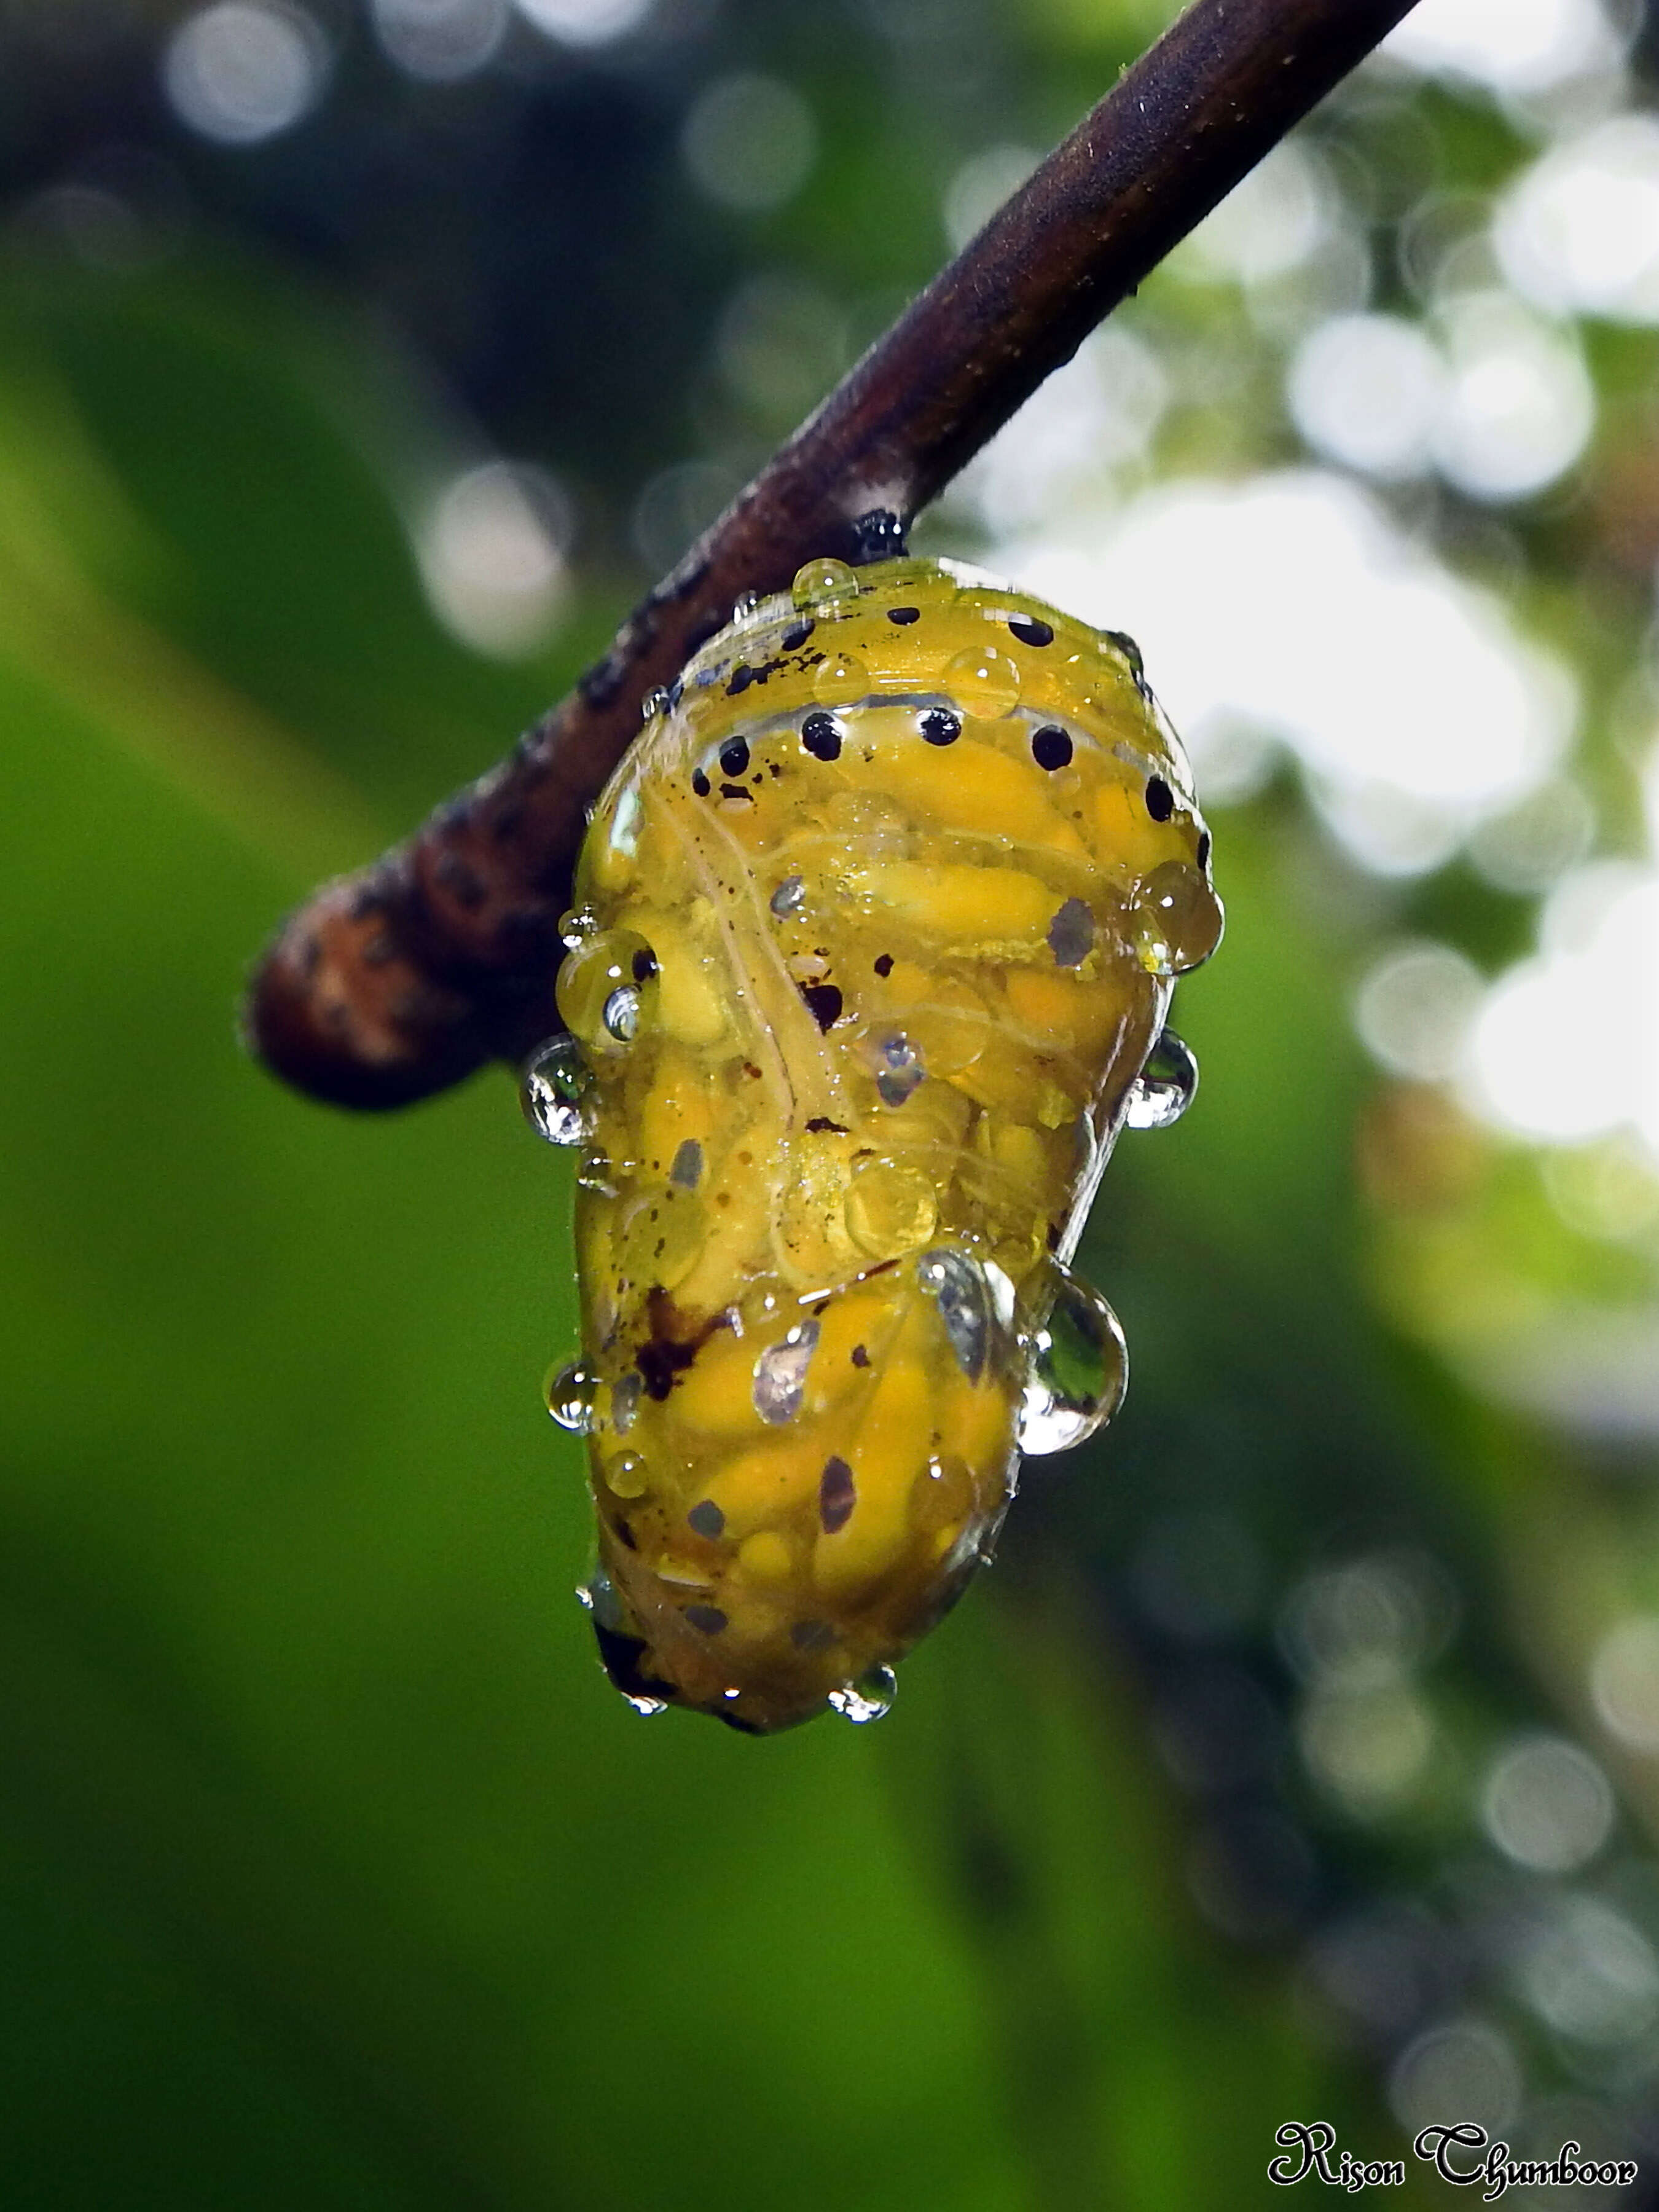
(734, 756)
(742, 677)
(1131, 652)
(1051, 747)
(662, 1362)
(700, 784)
(736, 791)
(860, 1357)
(837, 1496)
(821, 1125)
(904, 615)
(645, 965)
(1160, 799)
(821, 736)
(705, 1519)
(797, 634)
(624, 1534)
(1072, 934)
(1203, 848)
(941, 726)
(1031, 629)
(885, 964)
(708, 1619)
(811, 1635)
(824, 1003)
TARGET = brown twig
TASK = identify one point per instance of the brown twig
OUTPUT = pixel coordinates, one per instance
(390, 985)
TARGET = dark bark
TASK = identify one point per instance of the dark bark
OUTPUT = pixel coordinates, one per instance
(389, 985)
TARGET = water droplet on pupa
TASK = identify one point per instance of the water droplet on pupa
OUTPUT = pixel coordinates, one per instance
(841, 679)
(1177, 919)
(868, 1698)
(898, 1064)
(1164, 1090)
(622, 1014)
(818, 581)
(555, 1079)
(625, 1394)
(581, 921)
(626, 1474)
(982, 681)
(789, 898)
(571, 1392)
(654, 703)
(745, 605)
(780, 1373)
(599, 982)
(1079, 1370)
(957, 1284)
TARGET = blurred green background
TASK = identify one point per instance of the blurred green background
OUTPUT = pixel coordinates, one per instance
(359, 363)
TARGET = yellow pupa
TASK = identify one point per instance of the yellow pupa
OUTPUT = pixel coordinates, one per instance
(875, 933)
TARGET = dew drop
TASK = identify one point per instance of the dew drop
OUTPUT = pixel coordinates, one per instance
(1079, 1370)
(822, 581)
(580, 922)
(867, 1699)
(555, 1079)
(627, 1475)
(898, 1064)
(1177, 919)
(1164, 1090)
(622, 1014)
(654, 703)
(597, 1597)
(841, 679)
(984, 680)
(625, 1394)
(745, 605)
(789, 898)
(596, 985)
(780, 1373)
(958, 1285)
(571, 1392)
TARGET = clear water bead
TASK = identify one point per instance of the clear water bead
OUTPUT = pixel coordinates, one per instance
(957, 1284)
(780, 1373)
(745, 605)
(654, 703)
(789, 898)
(1164, 1090)
(555, 1079)
(570, 1397)
(622, 1014)
(899, 1067)
(819, 581)
(1079, 1370)
(867, 1699)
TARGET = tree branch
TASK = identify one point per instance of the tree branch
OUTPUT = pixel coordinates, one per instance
(390, 985)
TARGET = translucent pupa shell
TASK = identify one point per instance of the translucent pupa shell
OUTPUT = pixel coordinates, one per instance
(877, 925)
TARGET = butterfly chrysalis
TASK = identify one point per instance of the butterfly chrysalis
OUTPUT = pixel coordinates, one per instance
(874, 940)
